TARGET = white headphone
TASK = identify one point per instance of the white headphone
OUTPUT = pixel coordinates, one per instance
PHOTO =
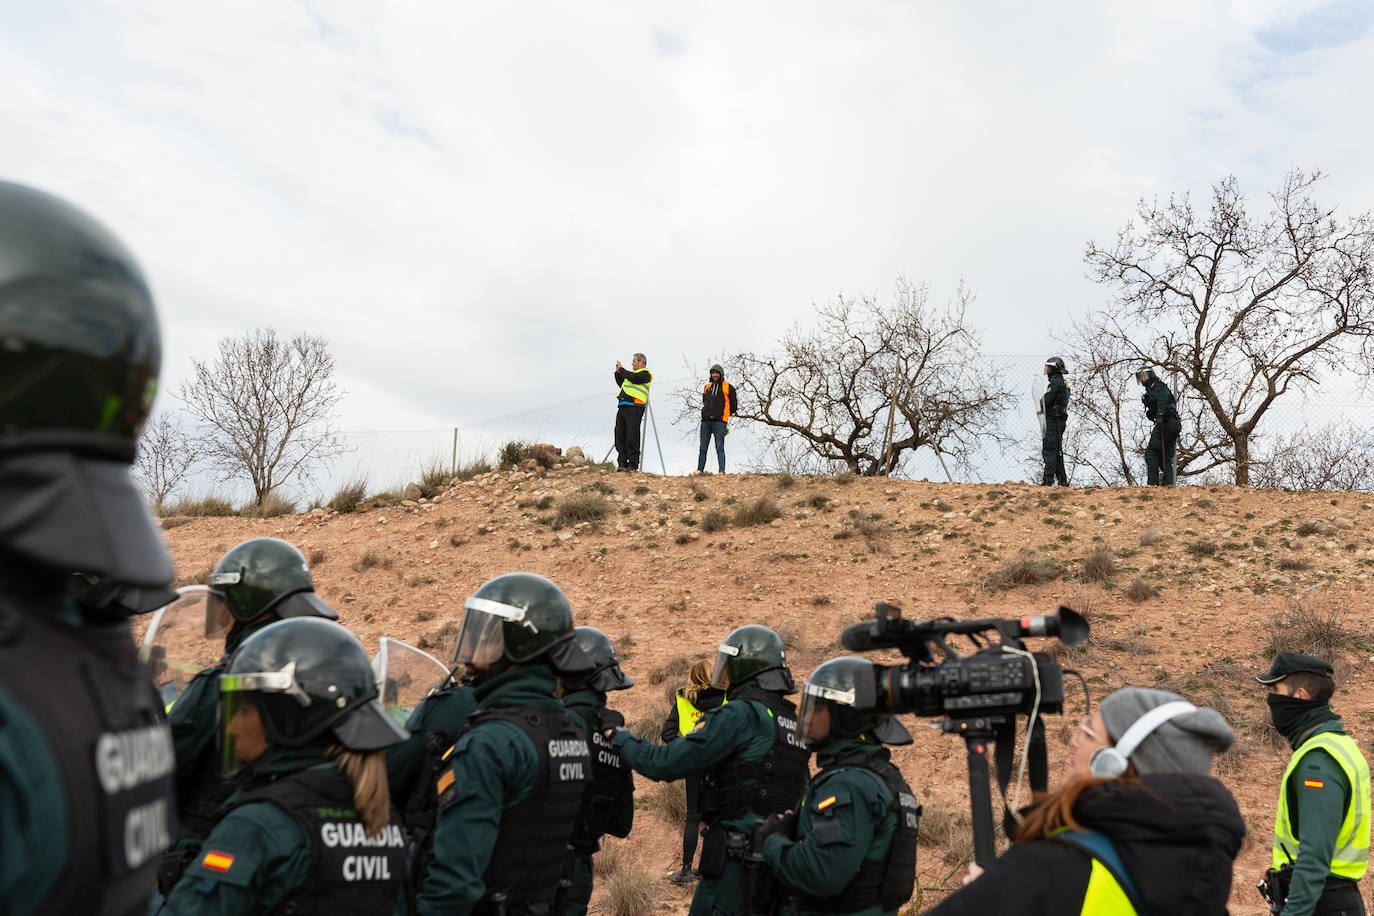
(1111, 762)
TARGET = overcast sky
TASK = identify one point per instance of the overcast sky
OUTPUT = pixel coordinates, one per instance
(484, 205)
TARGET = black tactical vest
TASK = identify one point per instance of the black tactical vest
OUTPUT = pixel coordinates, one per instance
(888, 883)
(103, 719)
(200, 801)
(768, 785)
(350, 871)
(528, 859)
(610, 779)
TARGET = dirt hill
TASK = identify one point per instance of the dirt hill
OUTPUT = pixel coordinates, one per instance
(668, 566)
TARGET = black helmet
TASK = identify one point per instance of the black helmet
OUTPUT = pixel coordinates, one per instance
(266, 574)
(112, 600)
(607, 676)
(1148, 372)
(518, 618)
(80, 353)
(753, 652)
(840, 700)
(1055, 363)
(303, 678)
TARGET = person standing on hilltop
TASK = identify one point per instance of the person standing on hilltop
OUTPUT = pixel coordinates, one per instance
(1321, 829)
(1055, 406)
(718, 402)
(1162, 410)
(631, 395)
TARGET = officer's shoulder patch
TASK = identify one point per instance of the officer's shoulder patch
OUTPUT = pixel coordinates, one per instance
(224, 864)
(446, 788)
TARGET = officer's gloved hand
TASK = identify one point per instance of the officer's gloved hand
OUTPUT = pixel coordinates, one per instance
(612, 719)
(785, 824)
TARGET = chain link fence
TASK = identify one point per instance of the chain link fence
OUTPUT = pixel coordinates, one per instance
(388, 460)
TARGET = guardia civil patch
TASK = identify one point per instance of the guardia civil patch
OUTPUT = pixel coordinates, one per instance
(217, 861)
(446, 789)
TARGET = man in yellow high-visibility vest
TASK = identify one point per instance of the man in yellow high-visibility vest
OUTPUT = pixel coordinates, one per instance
(631, 395)
(1323, 818)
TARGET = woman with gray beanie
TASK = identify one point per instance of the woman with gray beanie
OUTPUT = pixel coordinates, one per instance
(1137, 825)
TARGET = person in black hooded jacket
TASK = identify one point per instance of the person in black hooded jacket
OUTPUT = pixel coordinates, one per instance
(1172, 832)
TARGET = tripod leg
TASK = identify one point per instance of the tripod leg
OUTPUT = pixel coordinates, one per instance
(980, 801)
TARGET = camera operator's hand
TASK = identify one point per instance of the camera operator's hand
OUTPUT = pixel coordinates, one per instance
(974, 872)
(785, 824)
(617, 365)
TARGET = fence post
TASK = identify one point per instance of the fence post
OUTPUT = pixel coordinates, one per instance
(453, 462)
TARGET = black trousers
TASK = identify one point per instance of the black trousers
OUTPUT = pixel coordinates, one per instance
(628, 420)
(1052, 452)
(691, 827)
(1159, 452)
(1341, 898)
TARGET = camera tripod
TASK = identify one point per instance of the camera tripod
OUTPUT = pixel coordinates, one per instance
(998, 730)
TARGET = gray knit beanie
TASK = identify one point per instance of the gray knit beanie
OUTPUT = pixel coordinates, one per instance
(1184, 744)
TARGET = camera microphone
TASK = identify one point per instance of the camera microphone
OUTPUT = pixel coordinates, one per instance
(859, 637)
(1066, 623)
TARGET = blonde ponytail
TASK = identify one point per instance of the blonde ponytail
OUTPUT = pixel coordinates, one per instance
(366, 773)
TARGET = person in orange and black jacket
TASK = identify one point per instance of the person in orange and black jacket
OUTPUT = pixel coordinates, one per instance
(690, 701)
(718, 402)
(631, 396)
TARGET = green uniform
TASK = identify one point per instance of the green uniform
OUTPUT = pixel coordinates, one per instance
(1055, 406)
(257, 856)
(33, 811)
(441, 713)
(493, 768)
(1162, 411)
(743, 729)
(1318, 797)
(619, 817)
(844, 819)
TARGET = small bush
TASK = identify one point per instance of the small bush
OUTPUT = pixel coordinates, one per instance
(174, 521)
(790, 634)
(432, 479)
(372, 559)
(785, 480)
(650, 724)
(206, 507)
(201, 577)
(1099, 566)
(273, 506)
(613, 855)
(348, 496)
(1293, 562)
(715, 520)
(1314, 624)
(582, 507)
(510, 455)
(821, 600)
(472, 469)
(456, 540)
(819, 501)
(317, 557)
(760, 512)
(844, 477)
(1151, 536)
(951, 829)
(668, 800)
(1140, 590)
(441, 638)
(629, 892)
(683, 538)
(676, 668)
(1308, 528)
(1029, 568)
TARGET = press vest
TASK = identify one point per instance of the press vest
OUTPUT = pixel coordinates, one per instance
(633, 392)
(610, 779)
(1106, 893)
(1350, 859)
(102, 718)
(887, 882)
(527, 861)
(769, 785)
(350, 871)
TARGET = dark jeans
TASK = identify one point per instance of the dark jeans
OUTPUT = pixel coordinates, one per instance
(1159, 453)
(711, 428)
(691, 827)
(1341, 898)
(628, 420)
(1052, 451)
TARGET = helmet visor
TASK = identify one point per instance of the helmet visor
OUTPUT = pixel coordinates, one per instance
(242, 732)
(218, 619)
(720, 674)
(813, 719)
(480, 640)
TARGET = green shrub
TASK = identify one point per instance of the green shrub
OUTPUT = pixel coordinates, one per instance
(349, 495)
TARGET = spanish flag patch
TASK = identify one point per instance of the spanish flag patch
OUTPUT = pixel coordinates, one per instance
(218, 861)
(1312, 783)
(825, 804)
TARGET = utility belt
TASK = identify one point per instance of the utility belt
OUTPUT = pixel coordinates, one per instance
(1274, 887)
(1165, 418)
(720, 845)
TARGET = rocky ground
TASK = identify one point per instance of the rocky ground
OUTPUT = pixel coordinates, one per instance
(1189, 589)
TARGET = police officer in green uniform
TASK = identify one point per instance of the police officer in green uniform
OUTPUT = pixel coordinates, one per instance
(608, 805)
(1162, 410)
(855, 828)
(748, 751)
(1321, 829)
(512, 784)
(1055, 406)
(310, 829)
(257, 583)
(85, 759)
(413, 765)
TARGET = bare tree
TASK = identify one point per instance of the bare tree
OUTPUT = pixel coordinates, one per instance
(1338, 456)
(1245, 310)
(870, 384)
(266, 406)
(164, 458)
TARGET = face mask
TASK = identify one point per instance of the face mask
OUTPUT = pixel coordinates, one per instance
(1287, 712)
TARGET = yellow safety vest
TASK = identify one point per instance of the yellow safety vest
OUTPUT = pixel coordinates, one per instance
(637, 393)
(687, 715)
(1105, 895)
(1351, 856)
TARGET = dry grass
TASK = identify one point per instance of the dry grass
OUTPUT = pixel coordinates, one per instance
(715, 520)
(1293, 562)
(674, 670)
(1029, 568)
(668, 800)
(348, 496)
(205, 507)
(1099, 566)
(1151, 536)
(760, 512)
(441, 638)
(614, 854)
(629, 892)
(433, 477)
(1315, 624)
(950, 829)
(371, 560)
(1140, 590)
(582, 507)
(650, 724)
(790, 634)
(317, 557)
(175, 521)
(1200, 549)
(201, 577)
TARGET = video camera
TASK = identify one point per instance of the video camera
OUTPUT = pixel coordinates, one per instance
(990, 682)
(980, 695)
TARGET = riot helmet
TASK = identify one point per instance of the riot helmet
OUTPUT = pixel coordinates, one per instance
(607, 675)
(1055, 364)
(300, 682)
(1145, 375)
(840, 700)
(264, 575)
(519, 618)
(80, 353)
(756, 653)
